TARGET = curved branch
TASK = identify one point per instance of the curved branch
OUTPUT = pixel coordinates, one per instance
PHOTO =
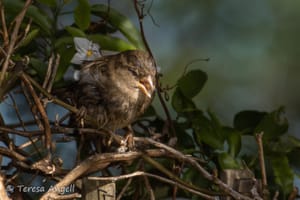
(160, 178)
(42, 111)
(3, 194)
(223, 186)
(140, 15)
(13, 40)
(96, 163)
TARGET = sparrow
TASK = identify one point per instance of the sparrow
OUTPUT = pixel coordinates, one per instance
(116, 89)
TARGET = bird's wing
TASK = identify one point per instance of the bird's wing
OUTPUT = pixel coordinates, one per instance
(92, 83)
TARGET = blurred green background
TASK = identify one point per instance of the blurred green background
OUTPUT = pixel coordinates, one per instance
(253, 47)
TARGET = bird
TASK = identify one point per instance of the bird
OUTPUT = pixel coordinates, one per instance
(116, 89)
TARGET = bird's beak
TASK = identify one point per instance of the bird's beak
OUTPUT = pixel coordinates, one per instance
(146, 86)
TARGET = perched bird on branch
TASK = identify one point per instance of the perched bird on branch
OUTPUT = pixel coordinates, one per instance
(116, 89)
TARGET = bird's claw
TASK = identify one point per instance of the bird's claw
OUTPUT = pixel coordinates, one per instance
(129, 139)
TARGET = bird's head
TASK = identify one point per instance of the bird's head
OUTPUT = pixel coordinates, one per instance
(140, 66)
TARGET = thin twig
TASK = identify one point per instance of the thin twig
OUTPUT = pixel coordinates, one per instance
(22, 123)
(49, 71)
(258, 138)
(276, 195)
(42, 111)
(3, 24)
(120, 195)
(96, 163)
(124, 188)
(19, 132)
(293, 194)
(53, 74)
(141, 16)
(13, 40)
(29, 143)
(32, 106)
(3, 194)
(160, 178)
(223, 186)
(149, 188)
(165, 171)
(12, 154)
(22, 38)
(261, 157)
(5, 138)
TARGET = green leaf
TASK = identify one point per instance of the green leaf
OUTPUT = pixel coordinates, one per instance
(191, 175)
(39, 66)
(283, 173)
(65, 47)
(208, 131)
(226, 161)
(10, 81)
(111, 43)
(121, 22)
(215, 121)
(29, 37)
(185, 140)
(233, 138)
(285, 144)
(273, 125)
(50, 3)
(63, 41)
(82, 14)
(247, 120)
(181, 103)
(192, 83)
(38, 17)
(75, 32)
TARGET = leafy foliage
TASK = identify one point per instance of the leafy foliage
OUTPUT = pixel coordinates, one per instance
(60, 40)
(200, 133)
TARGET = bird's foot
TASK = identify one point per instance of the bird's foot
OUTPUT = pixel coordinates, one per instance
(130, 142)
(123, 147)
(129, 138)
(127, 144)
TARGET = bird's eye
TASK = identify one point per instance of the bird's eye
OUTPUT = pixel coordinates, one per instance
(133, 71)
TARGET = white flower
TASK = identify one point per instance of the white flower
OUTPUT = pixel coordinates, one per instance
(86, 51)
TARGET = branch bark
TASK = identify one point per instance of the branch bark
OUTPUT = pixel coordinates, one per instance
(224, 187)
(95, 163)
(3, 194)
(13, 39)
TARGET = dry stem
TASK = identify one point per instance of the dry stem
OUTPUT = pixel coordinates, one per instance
(13, 40)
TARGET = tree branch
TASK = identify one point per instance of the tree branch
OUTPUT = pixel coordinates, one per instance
(3, 194)
(160, 178)
(141, 16)
(177, 154)
(96, 163)
(13, 40)
(42, 111)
